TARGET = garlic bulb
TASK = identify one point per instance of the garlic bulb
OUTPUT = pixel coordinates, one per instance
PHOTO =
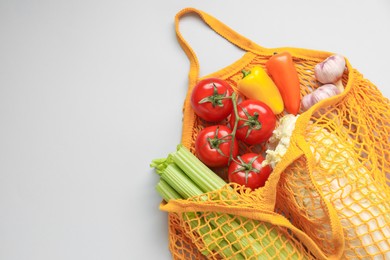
(331, 70)
(323, 92)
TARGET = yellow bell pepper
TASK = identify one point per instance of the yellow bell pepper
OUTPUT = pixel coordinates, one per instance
(258, 85)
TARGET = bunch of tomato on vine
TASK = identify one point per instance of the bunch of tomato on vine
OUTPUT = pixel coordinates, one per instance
(249, 120)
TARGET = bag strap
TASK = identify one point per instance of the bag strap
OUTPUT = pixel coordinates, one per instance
(220, 28)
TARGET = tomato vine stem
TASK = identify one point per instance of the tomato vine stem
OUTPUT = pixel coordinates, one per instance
(251, 122)
(234, 130)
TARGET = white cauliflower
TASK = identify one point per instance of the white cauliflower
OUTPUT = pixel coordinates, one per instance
(280, 140)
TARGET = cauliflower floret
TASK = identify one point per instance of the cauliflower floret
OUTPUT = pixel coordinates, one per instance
(280, 140)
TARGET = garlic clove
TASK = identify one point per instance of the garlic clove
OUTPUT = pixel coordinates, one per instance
(339, 85)
(323, 92)
(307, 102)
(329, 90)
(330, 70)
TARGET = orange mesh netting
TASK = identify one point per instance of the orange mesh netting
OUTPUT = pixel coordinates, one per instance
(329, 196)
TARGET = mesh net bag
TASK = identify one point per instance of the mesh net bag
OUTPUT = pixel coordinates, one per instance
(329, 196)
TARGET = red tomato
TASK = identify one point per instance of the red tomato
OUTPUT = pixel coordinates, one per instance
(256, 121)
(211, 99)
(247, 170)
(213, 146)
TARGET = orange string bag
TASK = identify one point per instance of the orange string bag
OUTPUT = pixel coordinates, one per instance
(327, 198)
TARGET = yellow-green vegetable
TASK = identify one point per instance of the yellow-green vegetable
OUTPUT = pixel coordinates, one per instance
(258, 85)
(184, 175)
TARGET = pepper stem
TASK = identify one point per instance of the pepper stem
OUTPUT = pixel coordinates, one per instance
(245, 73)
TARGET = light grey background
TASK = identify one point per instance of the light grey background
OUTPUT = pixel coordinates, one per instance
(91, 91)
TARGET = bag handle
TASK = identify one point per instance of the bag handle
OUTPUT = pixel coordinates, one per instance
(217, 26)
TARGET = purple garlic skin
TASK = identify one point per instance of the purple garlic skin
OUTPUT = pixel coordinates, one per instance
(330, 70)
(323, 92)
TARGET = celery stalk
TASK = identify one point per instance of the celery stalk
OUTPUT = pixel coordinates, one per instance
(211, 238)
(166, 191)
(208, 181)
(281, 245)
(189, 177)
(177, 179)
(198, 172)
